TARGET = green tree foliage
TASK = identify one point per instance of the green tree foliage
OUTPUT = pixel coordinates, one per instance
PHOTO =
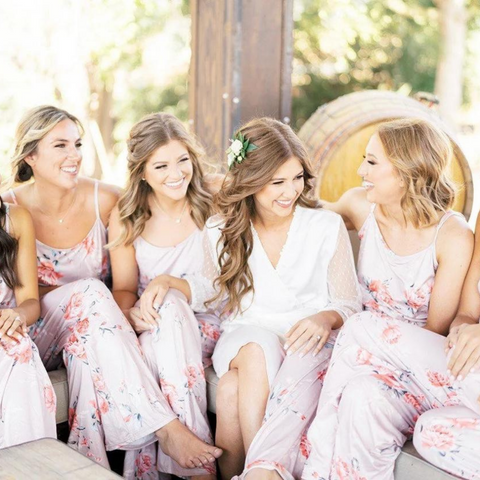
(342, 46)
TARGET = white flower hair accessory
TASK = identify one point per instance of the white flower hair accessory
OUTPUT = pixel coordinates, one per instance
(238, 150)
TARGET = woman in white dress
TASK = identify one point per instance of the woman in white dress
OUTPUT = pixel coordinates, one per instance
(285, 269)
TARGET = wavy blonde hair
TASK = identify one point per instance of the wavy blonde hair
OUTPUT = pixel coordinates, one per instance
(146, 136)
(421, 154)
(276, 144)
(33, 126)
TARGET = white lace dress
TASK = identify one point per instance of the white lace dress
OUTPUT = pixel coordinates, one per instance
(315, 273)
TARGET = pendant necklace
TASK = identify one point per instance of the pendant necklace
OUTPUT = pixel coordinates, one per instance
(176, 220)
(60, 220)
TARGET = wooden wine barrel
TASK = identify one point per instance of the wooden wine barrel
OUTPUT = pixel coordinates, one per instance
(338, 132)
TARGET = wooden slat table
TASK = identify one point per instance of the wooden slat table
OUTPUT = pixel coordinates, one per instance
(49, 459)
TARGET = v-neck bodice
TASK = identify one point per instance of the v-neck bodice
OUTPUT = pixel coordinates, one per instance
(299, 286)
(258, 240)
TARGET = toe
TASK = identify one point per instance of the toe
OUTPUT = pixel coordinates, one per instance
(217, 452)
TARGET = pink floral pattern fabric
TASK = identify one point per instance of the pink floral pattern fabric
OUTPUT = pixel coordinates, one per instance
(450, 439)
(27, 398)
(374, 393)
(291, 405)
(385, 371)
(114, 401)
(176, 352)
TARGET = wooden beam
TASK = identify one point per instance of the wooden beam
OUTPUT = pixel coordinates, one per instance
(241, 66)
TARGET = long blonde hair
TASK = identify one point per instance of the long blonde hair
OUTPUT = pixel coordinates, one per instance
(276, 143)
(421, 154)
(146, 136)
(33, 126)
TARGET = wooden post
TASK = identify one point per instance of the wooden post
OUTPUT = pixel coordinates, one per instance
(241, 66)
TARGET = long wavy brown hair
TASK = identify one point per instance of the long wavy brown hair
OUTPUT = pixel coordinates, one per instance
(276, 143)
(146, 136)
(421, 154)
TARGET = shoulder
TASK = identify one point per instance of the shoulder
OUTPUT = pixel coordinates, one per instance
(213, 182)
(455, 237)
(20, 221)
(14, 195)
(108, 195)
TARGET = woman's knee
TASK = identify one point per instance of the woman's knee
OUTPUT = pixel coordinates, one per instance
(249, 356)
(227, 391)
(428, 431)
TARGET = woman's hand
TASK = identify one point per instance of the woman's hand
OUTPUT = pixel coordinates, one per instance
(134, 316)
(152, 298)
(311, 332)
(13, 324)
(465, 357)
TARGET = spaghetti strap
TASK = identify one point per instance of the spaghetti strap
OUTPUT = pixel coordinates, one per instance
(445, 217)
(7, 218)
(97, 206)
(14, 197)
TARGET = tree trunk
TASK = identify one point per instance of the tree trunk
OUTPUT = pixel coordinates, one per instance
(449, 77)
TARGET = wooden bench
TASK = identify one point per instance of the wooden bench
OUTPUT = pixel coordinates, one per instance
(49, 459)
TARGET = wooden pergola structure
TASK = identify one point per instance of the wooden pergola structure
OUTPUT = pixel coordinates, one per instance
(241, 66)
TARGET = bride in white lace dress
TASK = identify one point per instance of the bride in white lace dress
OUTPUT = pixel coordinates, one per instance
(284, 269)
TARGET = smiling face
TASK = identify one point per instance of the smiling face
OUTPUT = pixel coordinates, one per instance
(58, 156)
(169, 170)
(279, 196)
(380, 178)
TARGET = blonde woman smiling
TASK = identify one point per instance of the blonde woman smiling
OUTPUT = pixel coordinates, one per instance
(414, 255)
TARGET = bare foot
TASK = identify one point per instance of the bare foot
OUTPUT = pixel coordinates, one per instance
(263, 474)
(178, 442)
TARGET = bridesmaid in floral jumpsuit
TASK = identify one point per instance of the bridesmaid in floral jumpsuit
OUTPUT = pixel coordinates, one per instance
(414, 255)
(157, 235)
(114, 400)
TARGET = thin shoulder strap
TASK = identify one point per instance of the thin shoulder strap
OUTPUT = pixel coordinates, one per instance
(97, 206)
(445, 217)
(7, 217)
(14, 197)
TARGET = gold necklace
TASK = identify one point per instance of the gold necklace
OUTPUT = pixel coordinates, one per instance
(61, 220)
(176, 220)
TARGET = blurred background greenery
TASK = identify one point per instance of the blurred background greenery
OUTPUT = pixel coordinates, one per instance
(112, 61)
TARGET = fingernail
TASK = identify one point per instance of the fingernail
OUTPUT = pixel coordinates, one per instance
(289, 353)
(460, 378)
(301, 355)
(472, 369)
(449, 372)
(452, 378)
(315, 354)
(285, 347)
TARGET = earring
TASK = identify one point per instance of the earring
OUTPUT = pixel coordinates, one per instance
(143, 179)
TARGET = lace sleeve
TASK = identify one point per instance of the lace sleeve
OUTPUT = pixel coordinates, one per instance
(343, 289)
(202, 283)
